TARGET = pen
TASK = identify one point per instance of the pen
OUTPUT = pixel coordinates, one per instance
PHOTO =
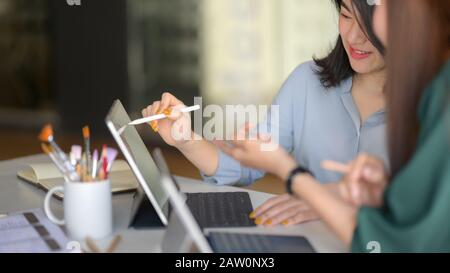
(157, 117)
(161, 116)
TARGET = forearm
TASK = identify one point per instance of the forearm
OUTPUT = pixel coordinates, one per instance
(203, 154)
(335, 212)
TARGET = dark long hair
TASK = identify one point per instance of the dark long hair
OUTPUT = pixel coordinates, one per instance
(335, 67)
(418, 38)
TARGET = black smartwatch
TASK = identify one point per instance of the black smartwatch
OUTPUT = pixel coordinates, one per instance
(294, 172)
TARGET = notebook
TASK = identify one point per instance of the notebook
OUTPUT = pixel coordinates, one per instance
(47, 176)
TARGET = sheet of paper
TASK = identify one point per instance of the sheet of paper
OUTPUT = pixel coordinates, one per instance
(32, 232)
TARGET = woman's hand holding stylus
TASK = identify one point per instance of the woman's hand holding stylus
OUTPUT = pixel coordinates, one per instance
(176, 129)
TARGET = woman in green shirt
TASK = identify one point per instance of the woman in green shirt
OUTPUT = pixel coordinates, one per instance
(407, 210)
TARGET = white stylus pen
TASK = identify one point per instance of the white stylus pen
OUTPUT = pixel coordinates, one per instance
(157, 117)
(161, 116)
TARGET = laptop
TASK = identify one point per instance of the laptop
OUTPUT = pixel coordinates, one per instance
(184, 235)
(214, 209)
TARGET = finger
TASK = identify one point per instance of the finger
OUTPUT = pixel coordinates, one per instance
(223, 146)
(265, 138)
(169, 100)
(349, 182)
(165, 100)
(373, 173)
(335, 166)
(154, 111)
(241, 133)
(377, 197)
(234, 140)
(236, 136)
(367, 197)
(275, 210)
(346, 189)
(344, 192)
(155, 107)
(268, 204)
(282, 216)
(240, 139)
(248, 128)
(302, 217)
(288, 213)
(367, 169)
(375, 177)
(357, 167)
(174, 113)
(232, 151)
(147, 111)
(144, 112)
(356, 175)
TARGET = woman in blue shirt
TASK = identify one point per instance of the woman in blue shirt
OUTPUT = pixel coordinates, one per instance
(330, 108)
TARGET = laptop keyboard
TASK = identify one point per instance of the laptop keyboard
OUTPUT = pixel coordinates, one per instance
(222, 242)
(239, 243)
(221, 209)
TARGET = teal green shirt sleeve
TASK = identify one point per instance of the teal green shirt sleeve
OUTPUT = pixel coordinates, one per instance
(416, 215)
(424, 230)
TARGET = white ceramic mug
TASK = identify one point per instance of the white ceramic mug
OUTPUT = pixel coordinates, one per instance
(87, 209)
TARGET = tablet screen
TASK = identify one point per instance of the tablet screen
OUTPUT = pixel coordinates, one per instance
(138, 157)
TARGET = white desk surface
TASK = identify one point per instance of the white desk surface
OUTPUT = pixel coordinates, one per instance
(16, 195)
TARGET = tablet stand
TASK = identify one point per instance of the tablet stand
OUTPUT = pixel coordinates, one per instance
(146, 216)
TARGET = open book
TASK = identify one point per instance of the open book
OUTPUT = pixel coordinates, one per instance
(47, 176)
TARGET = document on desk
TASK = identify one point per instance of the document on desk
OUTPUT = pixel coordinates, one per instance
(31, 232)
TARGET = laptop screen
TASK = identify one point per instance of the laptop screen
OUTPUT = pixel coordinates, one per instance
(139, 158)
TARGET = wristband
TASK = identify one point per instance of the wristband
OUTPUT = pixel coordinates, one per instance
(294, 172)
